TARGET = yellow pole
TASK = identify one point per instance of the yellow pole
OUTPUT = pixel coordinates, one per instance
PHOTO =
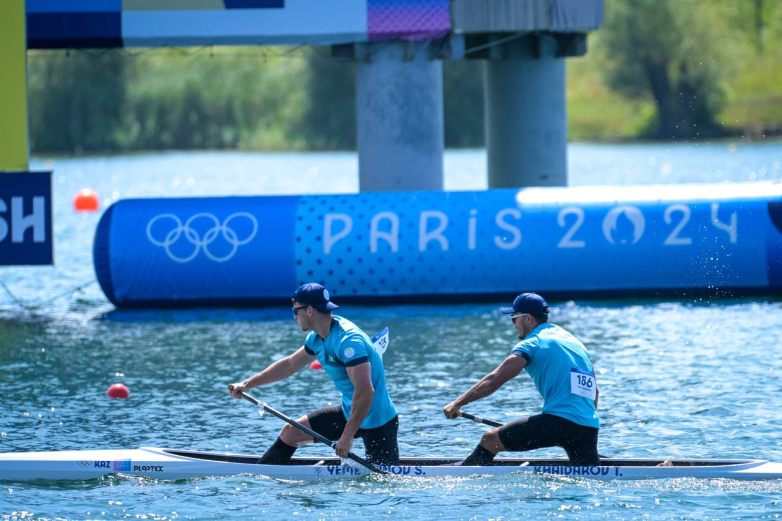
(14, 148)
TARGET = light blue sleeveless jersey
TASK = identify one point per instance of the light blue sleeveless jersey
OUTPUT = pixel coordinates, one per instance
(347, 346)
(559, 365)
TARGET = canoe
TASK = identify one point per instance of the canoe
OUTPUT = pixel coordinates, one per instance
(171, 464)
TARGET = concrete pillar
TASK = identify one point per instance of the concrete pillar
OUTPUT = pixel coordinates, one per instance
(399, 97)
(526, 124)
(14, 151)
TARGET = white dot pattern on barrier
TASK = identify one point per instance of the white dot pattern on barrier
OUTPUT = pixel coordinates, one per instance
(422, 242)
(505, 241)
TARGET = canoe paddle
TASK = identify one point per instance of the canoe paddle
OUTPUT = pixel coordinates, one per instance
(310, 432)
(478, 419)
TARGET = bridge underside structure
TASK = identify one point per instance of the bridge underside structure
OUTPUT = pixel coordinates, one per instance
(398, 46)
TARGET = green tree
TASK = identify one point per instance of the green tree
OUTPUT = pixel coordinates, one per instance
(76, 99)
(328, 119)
(229, 97)
(669, 51)
(755, 22)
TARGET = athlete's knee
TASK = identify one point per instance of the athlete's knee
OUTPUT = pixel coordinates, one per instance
(491, 441)
(287, 435)
(293, 436)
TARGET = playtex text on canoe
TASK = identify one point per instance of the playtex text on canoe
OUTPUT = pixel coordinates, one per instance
(416, 245)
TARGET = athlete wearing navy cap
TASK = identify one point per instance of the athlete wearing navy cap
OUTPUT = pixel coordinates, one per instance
(559, 365)
(351, 361)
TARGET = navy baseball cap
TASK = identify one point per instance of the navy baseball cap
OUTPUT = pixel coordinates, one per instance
(314, 295)
(531, 303)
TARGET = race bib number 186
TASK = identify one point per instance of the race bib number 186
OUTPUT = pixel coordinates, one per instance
(582, 383)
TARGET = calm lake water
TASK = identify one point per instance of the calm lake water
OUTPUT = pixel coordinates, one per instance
(690, 378)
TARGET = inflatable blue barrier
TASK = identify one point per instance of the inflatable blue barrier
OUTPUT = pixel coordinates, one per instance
(443, 246)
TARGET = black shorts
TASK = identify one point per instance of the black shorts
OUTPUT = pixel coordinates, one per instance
(547, 430)
(380, 442)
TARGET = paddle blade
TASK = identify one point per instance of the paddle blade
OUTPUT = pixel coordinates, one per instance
(380, 341)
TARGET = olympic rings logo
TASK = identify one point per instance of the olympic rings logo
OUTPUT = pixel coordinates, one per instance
(84, 463)
(180, 230)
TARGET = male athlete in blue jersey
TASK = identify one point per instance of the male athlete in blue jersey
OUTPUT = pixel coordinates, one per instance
(351, 361)
(559, 365)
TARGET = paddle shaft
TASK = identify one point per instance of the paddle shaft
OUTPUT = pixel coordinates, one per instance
(478, 419)
(310, 432)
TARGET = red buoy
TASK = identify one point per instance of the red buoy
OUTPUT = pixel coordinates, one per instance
(86, 200)
(118, 391)
(316, 365)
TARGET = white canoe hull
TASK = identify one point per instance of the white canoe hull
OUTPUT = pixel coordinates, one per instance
(177, 464)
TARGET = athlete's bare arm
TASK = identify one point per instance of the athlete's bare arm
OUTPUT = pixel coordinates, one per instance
(279, 370)
(507, 370)
(363, 395)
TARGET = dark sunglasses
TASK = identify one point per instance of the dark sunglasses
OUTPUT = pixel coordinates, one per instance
(296, 310)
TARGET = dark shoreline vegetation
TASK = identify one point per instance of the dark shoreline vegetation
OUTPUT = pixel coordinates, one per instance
(657, 70)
